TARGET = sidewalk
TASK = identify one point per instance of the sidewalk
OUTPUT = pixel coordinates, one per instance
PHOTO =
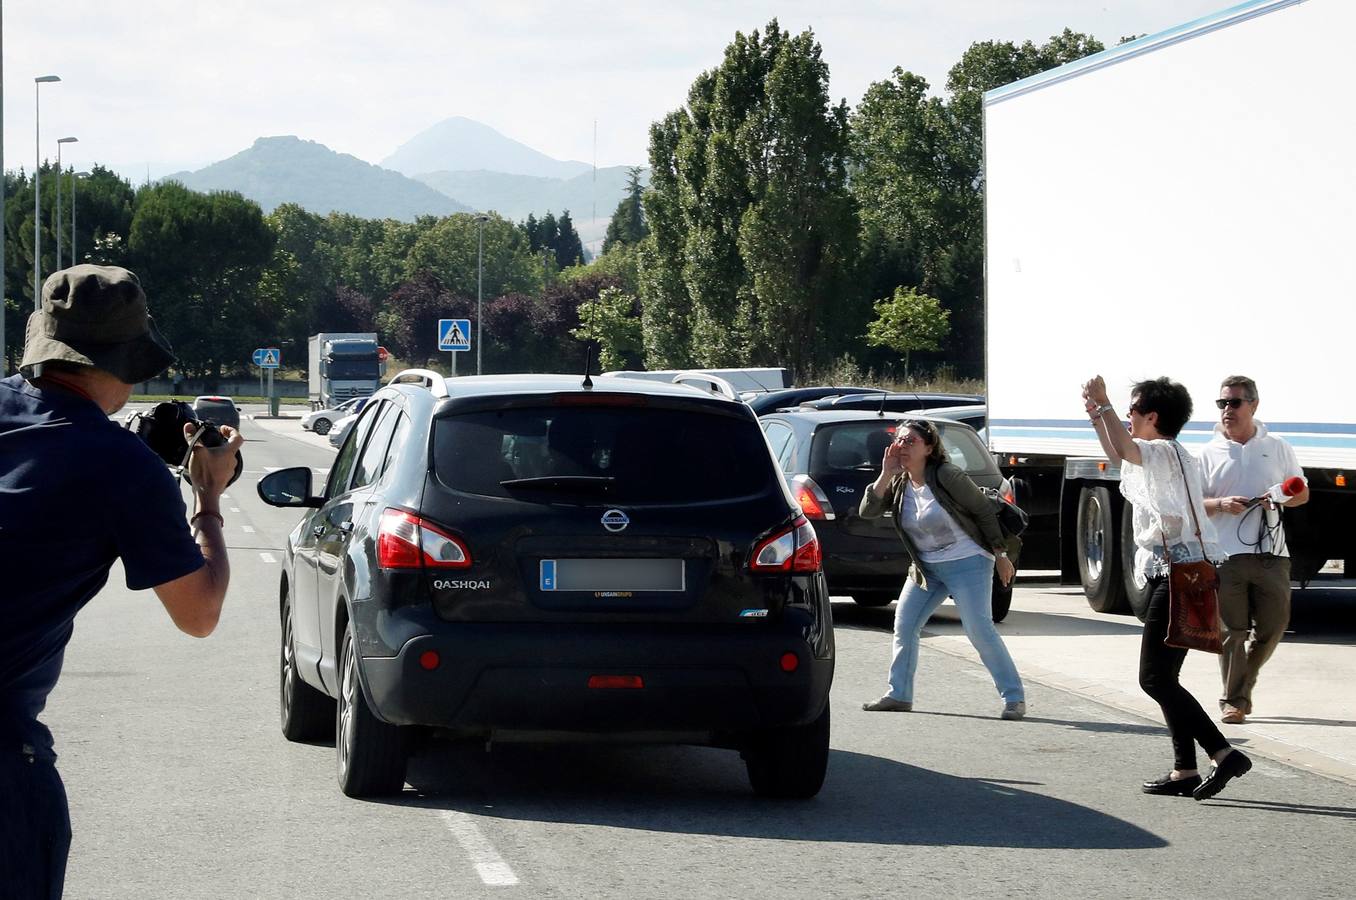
(1304, 712)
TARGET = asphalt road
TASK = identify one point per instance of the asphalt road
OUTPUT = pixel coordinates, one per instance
(181, 785)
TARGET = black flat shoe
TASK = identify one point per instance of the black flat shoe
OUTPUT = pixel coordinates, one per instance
(1235, 765)
(1168, 787)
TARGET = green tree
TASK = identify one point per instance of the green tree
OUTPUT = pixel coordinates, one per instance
(613, 321)
(627, 226)
(201, 258)
(908, 321)
(918, 179)
(753, 233)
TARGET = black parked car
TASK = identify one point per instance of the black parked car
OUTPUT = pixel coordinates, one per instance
(829, 458)
(528, 554)
(772, 401)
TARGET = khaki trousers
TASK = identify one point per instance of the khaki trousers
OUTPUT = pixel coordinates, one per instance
(1254, 596)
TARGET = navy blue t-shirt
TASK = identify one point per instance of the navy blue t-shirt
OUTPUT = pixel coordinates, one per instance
(77, 492)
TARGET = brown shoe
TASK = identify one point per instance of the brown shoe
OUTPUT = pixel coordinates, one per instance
(1233, 715)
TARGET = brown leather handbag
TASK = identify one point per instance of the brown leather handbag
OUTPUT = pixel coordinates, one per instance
(1193, 593)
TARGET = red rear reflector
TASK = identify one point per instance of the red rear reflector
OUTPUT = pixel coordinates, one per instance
(616, 681)
(1340, 481)
(429, 660)
(790, 662)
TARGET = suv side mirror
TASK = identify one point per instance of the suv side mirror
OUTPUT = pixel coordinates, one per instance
(289, 487)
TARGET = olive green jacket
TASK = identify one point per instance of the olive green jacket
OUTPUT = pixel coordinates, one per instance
(959, 496)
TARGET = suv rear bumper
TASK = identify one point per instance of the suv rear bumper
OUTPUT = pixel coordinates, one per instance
(536, 678)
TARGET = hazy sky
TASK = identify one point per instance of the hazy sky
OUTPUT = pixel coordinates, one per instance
(178, 84)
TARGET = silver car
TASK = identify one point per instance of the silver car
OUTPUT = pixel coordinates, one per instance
(322, 420)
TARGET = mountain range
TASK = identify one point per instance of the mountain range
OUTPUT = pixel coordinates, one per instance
(457, 165)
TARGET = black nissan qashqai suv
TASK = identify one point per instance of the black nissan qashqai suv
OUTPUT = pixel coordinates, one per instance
(543, 554)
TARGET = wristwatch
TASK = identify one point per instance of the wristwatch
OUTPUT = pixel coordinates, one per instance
(1001, 554)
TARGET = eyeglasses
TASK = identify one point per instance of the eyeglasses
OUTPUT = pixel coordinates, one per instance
(1231, 402)
(907, 439)
(1134, 411)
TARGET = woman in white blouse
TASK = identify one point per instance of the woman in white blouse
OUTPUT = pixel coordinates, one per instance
(1163, 482)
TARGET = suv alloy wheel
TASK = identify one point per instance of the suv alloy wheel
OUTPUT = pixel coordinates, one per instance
(371, 753)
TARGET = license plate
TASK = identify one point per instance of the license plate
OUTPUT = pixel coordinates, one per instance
(612, 575)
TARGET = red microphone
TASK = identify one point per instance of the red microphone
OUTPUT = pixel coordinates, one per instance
(1279, 493)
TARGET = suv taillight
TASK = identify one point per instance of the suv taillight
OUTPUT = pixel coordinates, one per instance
(405, 541)
(811, 497)
(794, 550)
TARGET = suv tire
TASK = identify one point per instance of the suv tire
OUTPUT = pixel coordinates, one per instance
(371, 754)
(322, 426)
(306, 714)
(789, 762)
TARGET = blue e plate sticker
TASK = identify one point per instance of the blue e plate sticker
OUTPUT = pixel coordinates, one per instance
(548, 574)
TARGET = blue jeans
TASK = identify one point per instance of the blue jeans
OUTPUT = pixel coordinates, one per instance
(969, 582)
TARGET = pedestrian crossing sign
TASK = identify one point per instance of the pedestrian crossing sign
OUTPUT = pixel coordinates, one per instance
(268, 357)
(454, 334)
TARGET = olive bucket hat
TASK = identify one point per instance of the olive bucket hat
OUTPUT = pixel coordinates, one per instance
(96, 316)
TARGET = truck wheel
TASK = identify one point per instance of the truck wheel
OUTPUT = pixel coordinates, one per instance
(1136, 585)
(1099, 563)
(322, 426)
(371, 754)
(790, 762)
(1002, 598)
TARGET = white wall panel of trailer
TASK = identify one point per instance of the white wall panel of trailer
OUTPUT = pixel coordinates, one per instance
(1184, 205)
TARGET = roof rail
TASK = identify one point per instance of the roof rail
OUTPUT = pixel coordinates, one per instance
(715, 383)
(436, 383)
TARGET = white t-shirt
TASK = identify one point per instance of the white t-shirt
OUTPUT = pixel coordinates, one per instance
(1231, 469)
(935, 535)
(1156, 489)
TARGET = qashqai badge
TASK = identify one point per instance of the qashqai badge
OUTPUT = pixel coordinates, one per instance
(615, 520)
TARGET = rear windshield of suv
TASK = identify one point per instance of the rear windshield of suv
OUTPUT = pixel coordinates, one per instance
(859, 446)
(617, 454)
(215, 410)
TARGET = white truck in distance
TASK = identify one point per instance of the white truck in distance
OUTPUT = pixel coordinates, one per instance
(1180, 205)
(343, 365)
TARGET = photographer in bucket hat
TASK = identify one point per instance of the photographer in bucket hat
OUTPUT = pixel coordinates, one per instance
(77, 493)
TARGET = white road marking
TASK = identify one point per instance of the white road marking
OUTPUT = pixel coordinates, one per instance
(490, 866)
(267, 557)
(248, 529)
(235, 509)
(225, 496)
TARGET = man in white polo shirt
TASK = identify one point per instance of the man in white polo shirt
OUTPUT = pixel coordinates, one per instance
(1241, 463)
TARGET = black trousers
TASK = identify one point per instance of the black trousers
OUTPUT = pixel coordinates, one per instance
(35, 827)
(1159, 668)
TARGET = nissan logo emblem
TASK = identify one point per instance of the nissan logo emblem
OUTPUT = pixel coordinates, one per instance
(615, 520)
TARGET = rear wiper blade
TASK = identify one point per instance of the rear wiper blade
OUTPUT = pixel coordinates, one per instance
(562, 482)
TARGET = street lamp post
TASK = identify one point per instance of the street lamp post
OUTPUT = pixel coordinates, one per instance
(37, 190)
(75, 179)
(480, 275)
(60, 141)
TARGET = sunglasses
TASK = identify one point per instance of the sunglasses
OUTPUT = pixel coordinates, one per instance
(1231, 403)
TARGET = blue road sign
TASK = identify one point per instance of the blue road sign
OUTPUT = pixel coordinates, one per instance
(267, 357)
(454, 334)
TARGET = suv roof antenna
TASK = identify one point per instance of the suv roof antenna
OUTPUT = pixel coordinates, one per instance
(588, 364)
(880, 413)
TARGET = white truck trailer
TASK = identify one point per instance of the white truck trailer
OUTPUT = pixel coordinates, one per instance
(343, 365)
(1181, 205)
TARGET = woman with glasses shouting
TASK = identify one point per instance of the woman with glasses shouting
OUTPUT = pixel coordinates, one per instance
(1164, 483)
(951, 533)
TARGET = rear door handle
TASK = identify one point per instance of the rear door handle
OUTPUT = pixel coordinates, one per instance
(318, 530)
(346, 527)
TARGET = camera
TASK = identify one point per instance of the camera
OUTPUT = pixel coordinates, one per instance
(162, 429)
